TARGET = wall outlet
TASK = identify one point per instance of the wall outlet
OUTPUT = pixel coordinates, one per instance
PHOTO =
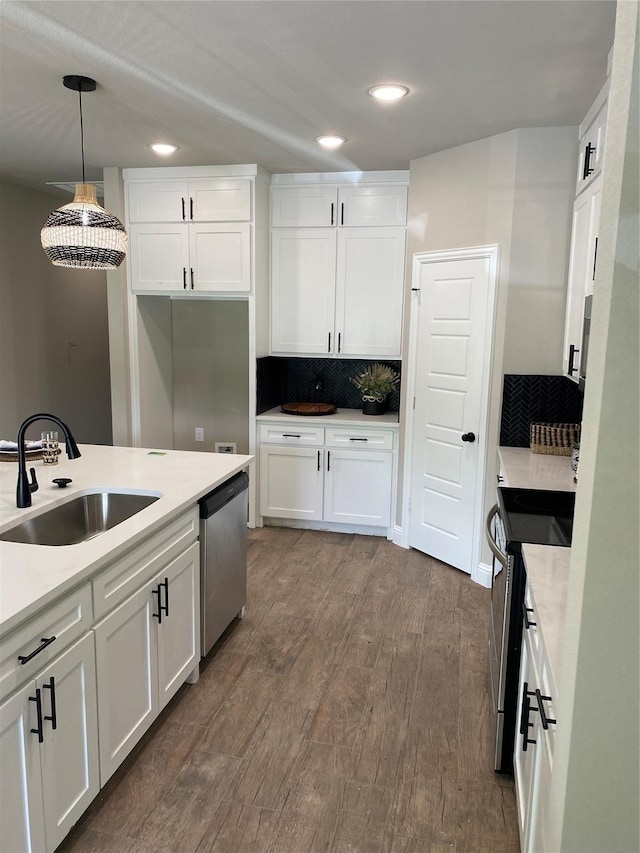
(225, 446)
(199, 433)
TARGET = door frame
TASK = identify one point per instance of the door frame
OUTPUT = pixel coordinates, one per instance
(420, 259)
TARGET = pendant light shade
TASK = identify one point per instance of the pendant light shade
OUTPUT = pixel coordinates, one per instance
(83, 235)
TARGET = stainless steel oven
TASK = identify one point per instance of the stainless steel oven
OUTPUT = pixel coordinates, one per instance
(520, 516)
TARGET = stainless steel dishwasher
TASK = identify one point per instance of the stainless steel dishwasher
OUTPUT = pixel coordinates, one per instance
(223, 558)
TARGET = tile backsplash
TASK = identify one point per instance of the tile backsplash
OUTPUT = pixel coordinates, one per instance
(293, 380)
(533, 399)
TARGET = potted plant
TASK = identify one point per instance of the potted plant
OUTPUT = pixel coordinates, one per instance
(374, 383)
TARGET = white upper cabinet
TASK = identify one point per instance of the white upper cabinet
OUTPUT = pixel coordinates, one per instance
(212, 200)
(337, 264)
(593, 134)
(352, 205)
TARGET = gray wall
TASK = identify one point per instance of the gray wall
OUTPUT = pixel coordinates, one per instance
(516, 190)
(43, 310)
(210, 373)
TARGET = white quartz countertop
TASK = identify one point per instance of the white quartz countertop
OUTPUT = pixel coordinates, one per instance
(548, 576)
(526, 470)
(547, 566)
(342, 417)
(32, 576)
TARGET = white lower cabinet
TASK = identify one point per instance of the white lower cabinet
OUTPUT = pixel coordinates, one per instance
(49, 752)
(145, 649)
(535, 738)
(340, 481)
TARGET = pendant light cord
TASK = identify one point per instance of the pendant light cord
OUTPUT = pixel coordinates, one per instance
(81, 134)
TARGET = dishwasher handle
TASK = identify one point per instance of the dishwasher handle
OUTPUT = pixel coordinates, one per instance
(497, 553)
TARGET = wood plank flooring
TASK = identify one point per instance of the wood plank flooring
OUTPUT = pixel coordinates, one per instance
(348, 713)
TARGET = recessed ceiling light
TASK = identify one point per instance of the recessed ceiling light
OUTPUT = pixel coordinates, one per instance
(331, 142)
(389, 91)
(164, 148)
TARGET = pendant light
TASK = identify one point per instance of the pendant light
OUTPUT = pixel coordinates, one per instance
(83, 235)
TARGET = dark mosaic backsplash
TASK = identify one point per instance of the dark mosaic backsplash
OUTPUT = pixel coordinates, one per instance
(294, 380)
(536, 399)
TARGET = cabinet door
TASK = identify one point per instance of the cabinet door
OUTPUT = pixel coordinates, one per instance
(220, 200)
(178, 632)
(370, 278)
(69, 752)
(21, 805)
(524, 761)
(367, 205)
(126, 661)
(220, 257)
(291, 482)
(303, 269)
(304, 207)
(579, 271)
(159, 257)
(358, 487)
(158, 201)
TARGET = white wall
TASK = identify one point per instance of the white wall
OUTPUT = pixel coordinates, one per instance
(54, 353)
(596, 777)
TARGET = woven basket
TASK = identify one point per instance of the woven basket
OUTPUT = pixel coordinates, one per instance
(553, 439)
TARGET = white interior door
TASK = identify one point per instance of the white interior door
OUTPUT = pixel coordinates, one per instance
(452, 334)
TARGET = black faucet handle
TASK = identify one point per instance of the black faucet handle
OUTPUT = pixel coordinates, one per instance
(33, 485)
(62, 482)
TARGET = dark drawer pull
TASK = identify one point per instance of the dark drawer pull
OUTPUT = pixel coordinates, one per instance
(46, 641)
(157, 615)
(318, 460)
(191, 278)
(328, 460)
(358, 439)
(290, 435)
(589, 151)
(183, 213)
(332, 213)
(572, 354)
(546, 721)
(184, 277)
(38, 700)
(525, 725)
(53, 717)
(527, 623)
(191, 208)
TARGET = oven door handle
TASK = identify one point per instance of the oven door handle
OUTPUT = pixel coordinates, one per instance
(497, 553)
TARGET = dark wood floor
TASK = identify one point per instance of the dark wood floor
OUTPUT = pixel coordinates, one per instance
(348, 712)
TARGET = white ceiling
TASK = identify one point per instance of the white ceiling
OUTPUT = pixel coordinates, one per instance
(255, 81)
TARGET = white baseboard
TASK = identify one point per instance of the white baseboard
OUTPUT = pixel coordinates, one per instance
(397, 538)
(483, 575)
(362, 529)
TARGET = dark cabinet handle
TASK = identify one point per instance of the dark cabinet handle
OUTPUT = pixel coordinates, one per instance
(318, 460)
(469, 436)
(191, 278)
(53, 716)
(329, 344)
(546, 721)
(328, 460)
(38, 700)
(588, 168)
(572, 354)
(191, 208)
(165, 606)
(184, 277)
(595, 258)
(46, 641)
(358, 439)
(332, 206)
(291, 435)
(339, 341)
(525, 725)
(157, 615)
(183, 211)
(342, 214)
(527, 623)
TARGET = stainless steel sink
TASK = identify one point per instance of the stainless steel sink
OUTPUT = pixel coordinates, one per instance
(79, 519)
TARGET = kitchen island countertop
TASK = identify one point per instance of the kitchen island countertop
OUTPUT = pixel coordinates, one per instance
(523, 469)
(32, 576)
(341, 417)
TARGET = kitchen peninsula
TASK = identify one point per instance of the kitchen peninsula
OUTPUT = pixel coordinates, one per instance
(95, 637)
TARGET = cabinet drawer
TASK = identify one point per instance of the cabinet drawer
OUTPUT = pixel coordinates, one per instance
(360, 437)
(294, 435)
(66, 620)
(125, 576)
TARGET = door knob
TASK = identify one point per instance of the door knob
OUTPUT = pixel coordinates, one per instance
(469, 436)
